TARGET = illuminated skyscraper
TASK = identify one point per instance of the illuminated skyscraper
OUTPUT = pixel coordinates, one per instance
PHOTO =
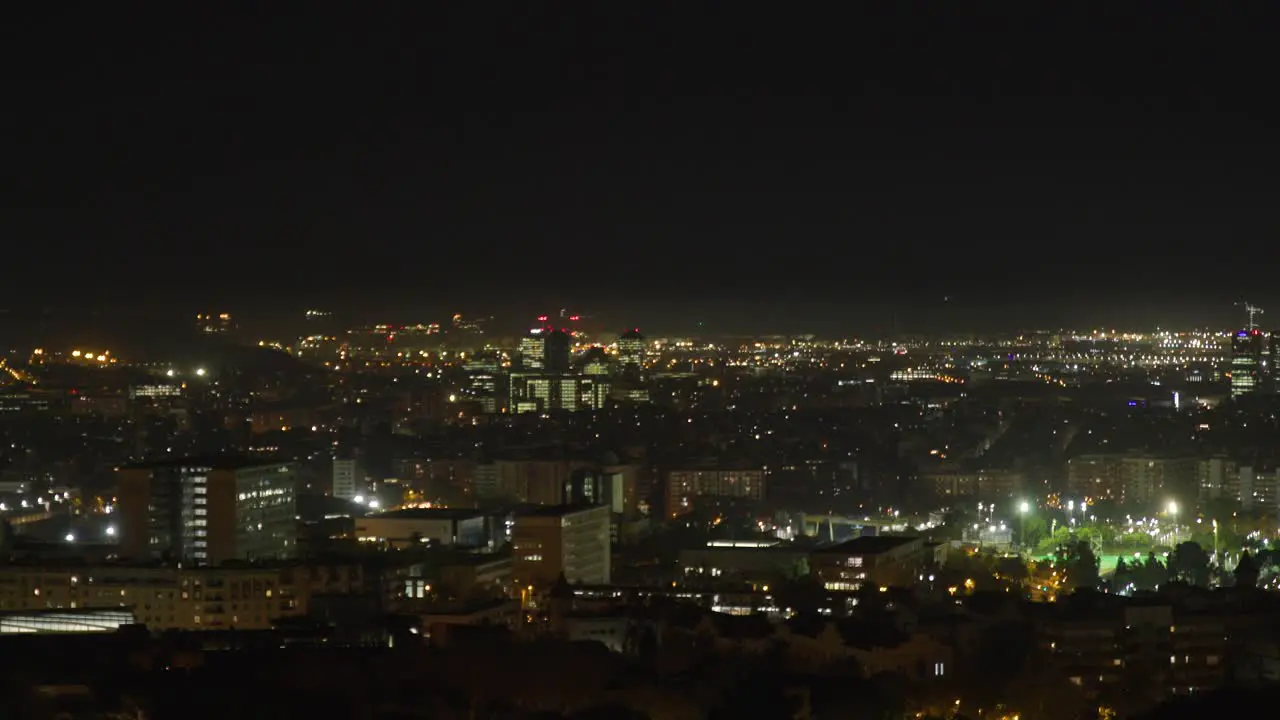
(631, 349)
(1246, 362)
(544, 392)
(1271, 369)
(533, 349)
(546, 348)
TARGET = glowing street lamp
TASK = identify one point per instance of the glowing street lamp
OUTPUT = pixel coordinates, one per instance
(1023, 508)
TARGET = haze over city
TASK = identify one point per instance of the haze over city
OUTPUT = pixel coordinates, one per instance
(665, 361)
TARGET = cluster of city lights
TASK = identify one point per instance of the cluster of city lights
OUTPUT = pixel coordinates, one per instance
(110, 532)
(199, 372)
(41, 501)
(371, 503)
(103, 357)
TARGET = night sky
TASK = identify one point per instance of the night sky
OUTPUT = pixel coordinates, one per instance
(653, 162)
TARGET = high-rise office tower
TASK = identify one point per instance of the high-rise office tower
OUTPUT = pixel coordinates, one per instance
(1246, 362)
(545, 392)
(555, 358)
(533, 350)
(546, 348)
(208, 511)
(631, 349)
(1271, 374)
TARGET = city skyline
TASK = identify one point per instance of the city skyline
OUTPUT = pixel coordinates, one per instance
(144, 323)
(532, 361)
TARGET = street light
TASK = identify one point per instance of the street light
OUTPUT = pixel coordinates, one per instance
(1023, 508)
(1172, 509)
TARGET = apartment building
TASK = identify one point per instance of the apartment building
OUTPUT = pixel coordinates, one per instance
(1133, 477)
(684, 487)
(162, 598)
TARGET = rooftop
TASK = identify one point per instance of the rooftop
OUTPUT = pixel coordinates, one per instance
(427, 514)
(870, 545)
(116, 611)
(551, 511)
(215, 462)
(778, 549)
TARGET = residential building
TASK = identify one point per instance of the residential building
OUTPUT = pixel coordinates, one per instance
(162, 598)
(684, 487)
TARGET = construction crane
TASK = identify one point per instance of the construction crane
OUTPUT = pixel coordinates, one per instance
(1253, 311)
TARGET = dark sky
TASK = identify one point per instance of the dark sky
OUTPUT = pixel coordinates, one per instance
(645, 159)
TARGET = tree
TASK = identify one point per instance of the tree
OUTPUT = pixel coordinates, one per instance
(805, 595)
(1189, 563)
(1081, 565)
(1034, 530)
(1041, 691)
(1122, 576)
(962, 566)
(1148, 575)
(1247, 571)
(999, 661)
(754, 688)
(848, 695)
(1014, 570)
